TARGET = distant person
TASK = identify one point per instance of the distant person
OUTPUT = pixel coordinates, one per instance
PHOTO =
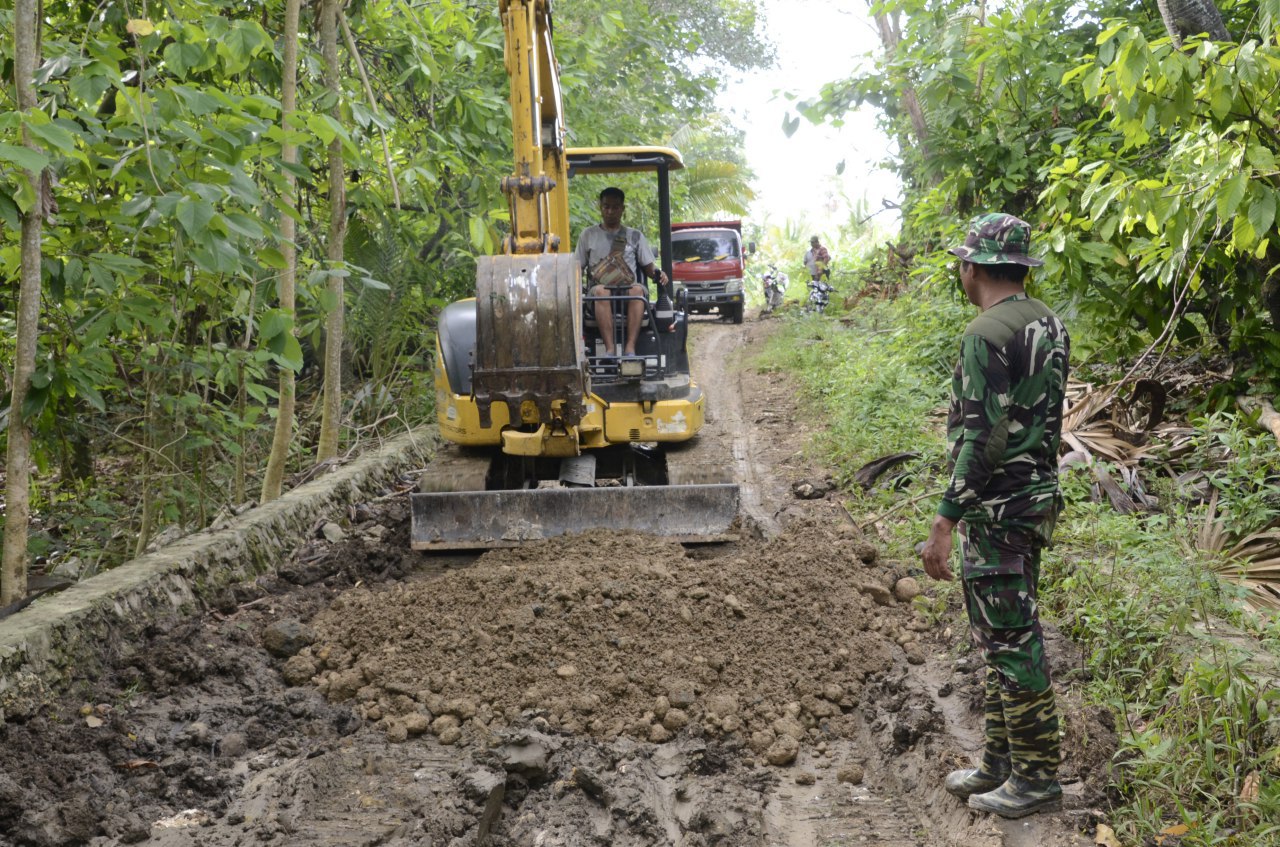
(1004, 426)
(609, 254)
(817, 260)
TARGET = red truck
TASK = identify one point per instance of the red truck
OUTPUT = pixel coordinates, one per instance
(708, 263)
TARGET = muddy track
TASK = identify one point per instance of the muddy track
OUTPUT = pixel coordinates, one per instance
(614, 690)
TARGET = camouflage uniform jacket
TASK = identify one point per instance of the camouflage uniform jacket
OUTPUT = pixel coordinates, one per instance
(1005, 420)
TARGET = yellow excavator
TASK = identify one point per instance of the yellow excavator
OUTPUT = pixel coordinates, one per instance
(548, 435)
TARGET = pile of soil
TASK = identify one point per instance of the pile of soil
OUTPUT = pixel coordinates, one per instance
(624, 634)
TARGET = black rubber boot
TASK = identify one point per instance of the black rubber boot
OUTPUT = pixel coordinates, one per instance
(964, 783)
(1018, 798)
(1031, 719)
(995, 768)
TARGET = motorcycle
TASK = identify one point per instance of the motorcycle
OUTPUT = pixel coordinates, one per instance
(775, 285)
(819, 296)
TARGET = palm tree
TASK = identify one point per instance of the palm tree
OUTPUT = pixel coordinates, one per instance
(716, 179)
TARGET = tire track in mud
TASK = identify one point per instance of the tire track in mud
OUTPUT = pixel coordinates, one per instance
(720, 353)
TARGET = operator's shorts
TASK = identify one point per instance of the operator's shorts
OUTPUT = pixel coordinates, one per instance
(1001, 570)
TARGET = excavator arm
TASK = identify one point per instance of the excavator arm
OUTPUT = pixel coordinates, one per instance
(538, 189)
(529, 300)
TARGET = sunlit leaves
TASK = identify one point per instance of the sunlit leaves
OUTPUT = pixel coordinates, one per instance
(1230, 194)
(140, 27)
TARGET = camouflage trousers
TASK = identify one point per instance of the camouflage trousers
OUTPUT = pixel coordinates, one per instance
(1001, 570)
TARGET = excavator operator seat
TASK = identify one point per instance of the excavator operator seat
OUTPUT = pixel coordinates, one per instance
(648, 344)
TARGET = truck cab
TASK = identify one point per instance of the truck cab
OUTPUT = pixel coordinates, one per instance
(708, 264)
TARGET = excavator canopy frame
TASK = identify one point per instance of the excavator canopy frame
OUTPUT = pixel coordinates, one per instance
(635, 159)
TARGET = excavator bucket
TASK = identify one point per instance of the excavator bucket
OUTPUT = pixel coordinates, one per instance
(469, 520)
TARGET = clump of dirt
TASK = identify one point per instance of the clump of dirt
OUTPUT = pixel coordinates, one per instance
(624, 635)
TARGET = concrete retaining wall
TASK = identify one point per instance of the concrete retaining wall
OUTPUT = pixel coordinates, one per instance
(62, 638)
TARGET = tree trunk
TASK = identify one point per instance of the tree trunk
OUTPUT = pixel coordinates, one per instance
(331, 417)
(1183, 18)
(273, 479)
(146, 476)
(890, 37)
(13, 569)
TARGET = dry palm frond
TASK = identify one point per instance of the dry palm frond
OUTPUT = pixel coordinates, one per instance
(1097, 422)
(1211, 537)
(1253, 562)
(1101, 438)
(1083, 402)
(1171, 441)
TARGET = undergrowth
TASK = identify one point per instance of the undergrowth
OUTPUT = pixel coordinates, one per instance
(1197, 710)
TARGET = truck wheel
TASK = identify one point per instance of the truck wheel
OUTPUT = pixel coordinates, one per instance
(735, 312)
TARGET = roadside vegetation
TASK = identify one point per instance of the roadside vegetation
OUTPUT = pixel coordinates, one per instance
(1169, 643)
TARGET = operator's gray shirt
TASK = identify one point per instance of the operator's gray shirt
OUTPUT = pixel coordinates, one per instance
(596, 242)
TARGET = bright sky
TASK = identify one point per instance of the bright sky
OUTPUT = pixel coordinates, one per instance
(817, 41)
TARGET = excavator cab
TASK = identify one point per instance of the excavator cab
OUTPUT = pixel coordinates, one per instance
(661, 350)
(549, 435)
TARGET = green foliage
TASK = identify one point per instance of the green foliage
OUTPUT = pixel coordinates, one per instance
(1231, 717)
(1149, 171)
(716, 179)
(1240, 463)
(1191, 229)
(1090, 578)
(877, 377)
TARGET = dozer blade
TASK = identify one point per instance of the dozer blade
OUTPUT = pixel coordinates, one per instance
(472, 520)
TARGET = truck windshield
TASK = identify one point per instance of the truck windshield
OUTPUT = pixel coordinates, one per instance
(704, 247)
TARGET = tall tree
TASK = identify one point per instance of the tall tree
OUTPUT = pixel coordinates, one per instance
(331, 418)
(13, 575)
(890, 29)
(272, 480)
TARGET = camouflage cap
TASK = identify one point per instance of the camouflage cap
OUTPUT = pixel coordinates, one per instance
(997, 239)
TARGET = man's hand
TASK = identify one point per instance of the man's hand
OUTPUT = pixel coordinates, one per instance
(937, 549)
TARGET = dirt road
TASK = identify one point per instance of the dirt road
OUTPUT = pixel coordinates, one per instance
(618, 690)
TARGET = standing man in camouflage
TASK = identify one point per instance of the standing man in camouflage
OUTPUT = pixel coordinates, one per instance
(1004, 427)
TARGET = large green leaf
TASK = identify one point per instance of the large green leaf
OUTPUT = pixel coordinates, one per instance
(1262, 211)
(182, 57)
(23, 157)
(54, 135)
(194, 214)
